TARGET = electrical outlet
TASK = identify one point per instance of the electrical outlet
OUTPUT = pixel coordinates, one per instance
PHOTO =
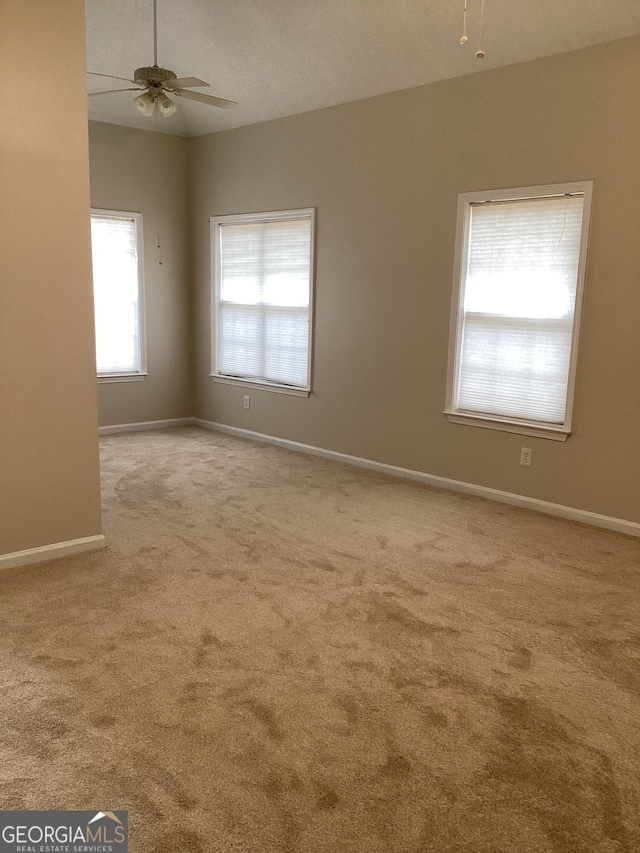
(526, 454)
(247, 403)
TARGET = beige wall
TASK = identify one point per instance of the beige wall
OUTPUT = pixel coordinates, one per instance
(49, 478)
(145, 172)
(384, 175)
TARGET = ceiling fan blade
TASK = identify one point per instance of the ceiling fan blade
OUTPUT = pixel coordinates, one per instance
(184, 83)
(109, 91)
(111, 76)
(205, 99)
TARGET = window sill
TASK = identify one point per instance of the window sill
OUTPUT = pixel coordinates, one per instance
(260, 386)
(121, 377)
(487, 422)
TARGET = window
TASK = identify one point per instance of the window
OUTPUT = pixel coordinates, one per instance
(262, 299)
(116, 243)
(520, 264)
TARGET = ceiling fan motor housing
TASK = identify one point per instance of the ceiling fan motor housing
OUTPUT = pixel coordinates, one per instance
(153, 74)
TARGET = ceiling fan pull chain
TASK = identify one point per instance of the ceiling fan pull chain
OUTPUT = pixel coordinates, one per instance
(464, 39)
(480, 54)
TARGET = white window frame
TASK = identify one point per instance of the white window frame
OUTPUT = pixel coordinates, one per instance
(244, 218)
(138, 375)
(491, 421)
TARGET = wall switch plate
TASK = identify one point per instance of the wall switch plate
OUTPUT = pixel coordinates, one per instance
(526, 454)
(247, 403)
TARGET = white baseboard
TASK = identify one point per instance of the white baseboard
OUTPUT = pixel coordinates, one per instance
(51, 552)
(144, 425)
(620, 525)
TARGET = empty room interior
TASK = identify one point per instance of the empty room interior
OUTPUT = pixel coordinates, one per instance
(319, 422)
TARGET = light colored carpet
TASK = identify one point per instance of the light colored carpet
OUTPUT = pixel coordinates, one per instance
(277, 653)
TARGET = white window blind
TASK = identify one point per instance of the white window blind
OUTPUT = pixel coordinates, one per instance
(117, 293)
(264, 298)
(519, 284)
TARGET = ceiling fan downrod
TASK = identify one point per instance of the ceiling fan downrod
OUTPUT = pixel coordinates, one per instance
(155, 33)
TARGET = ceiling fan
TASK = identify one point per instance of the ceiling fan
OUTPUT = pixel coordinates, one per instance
(154, 83)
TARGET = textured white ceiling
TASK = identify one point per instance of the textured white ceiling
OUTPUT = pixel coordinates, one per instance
(281, 57)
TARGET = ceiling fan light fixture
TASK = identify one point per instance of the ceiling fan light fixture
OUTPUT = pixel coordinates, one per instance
(145, 103)
(166, 107)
